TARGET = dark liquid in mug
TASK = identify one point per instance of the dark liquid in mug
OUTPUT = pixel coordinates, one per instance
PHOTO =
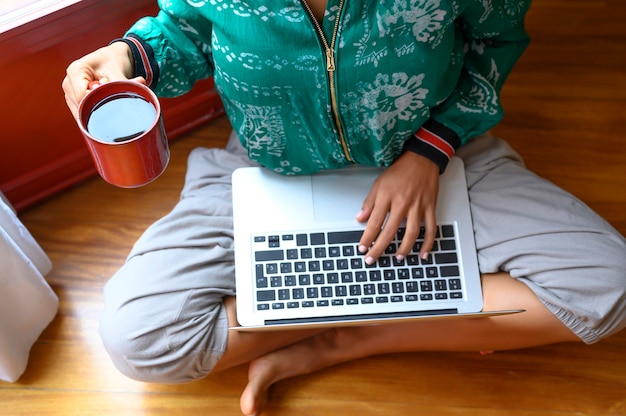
(121, 118)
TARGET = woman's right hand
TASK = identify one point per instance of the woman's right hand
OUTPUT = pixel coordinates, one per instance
(111, 63)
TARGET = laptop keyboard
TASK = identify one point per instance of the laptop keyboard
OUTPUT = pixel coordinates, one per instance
(325, 269)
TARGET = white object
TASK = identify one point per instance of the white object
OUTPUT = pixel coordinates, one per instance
(27, 303)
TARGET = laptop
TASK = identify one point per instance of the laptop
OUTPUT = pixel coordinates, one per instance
(297, 263)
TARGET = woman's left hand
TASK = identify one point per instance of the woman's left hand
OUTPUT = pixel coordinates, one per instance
(406, 190)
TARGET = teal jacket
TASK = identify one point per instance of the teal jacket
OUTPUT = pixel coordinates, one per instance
(374, 79)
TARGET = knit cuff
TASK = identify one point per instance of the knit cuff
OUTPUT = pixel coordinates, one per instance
(145, 65)
(434, 141)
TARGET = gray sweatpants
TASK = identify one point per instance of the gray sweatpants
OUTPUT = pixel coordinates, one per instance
(164, 319)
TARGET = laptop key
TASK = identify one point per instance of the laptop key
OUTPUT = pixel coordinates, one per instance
(304, 279)
(449, 271)
(302, 240)
(317, 239)
(455, 284)
(448, 245)
(326, 291)
(265, 295)
(447, 231)
(347, 277)
(432, 272)
(273, 241)
(334, 251)
(441, 285)
(343, 237)
(341, 291)
(383, 288)
(446, 258)
(261, 282)
(269, 255)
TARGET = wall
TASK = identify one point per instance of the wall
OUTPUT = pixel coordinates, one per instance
(41, 149)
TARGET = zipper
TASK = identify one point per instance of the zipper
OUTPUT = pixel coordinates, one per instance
(329, 50)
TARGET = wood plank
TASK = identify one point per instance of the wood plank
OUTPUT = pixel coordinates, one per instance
(564, 113)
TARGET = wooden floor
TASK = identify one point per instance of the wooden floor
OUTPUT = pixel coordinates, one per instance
(566, 113)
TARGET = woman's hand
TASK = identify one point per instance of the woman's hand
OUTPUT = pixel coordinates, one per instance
(111, 63)
(406, 190)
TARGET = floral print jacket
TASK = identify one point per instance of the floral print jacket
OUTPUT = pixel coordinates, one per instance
(373, 79)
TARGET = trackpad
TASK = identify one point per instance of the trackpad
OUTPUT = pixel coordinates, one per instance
(339, 195)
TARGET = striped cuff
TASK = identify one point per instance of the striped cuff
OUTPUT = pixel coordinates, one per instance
(144, 62)
(434, 141)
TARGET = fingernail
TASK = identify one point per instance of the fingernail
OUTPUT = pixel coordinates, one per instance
(400, 257)
(425, 256)
(362, 249)
(369, 260)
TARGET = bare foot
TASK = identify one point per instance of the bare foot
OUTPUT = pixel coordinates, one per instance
(254, 396)
(301, 358)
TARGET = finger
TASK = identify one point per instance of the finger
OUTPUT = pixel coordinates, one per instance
(386, 235)
(75, 85)
(140, 80)
(430, 232)
(372, 230)
(374, 224)
(412, 230)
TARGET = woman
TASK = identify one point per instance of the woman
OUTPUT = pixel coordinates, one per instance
(310, 86)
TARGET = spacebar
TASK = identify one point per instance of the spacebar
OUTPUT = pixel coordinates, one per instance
(342, 237)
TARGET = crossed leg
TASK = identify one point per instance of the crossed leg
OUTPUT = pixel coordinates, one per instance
(536, 326)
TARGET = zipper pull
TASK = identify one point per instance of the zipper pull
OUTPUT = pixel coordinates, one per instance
(330, 60)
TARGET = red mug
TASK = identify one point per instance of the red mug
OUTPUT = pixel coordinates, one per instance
(122, 125)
